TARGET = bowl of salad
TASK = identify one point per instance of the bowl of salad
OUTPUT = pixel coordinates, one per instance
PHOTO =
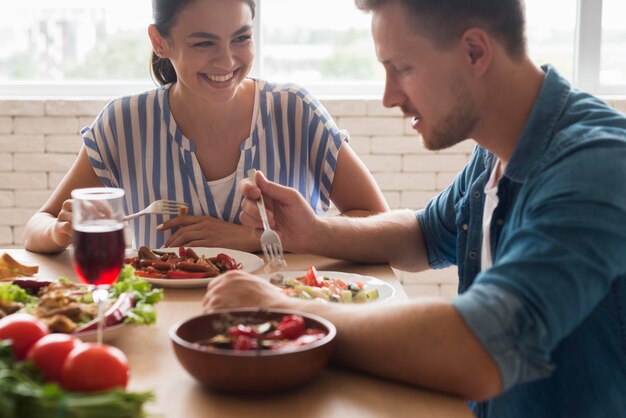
(253, 350)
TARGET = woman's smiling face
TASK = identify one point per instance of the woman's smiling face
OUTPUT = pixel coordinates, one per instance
(211, 48)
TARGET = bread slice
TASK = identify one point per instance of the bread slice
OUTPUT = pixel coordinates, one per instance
(16, 267)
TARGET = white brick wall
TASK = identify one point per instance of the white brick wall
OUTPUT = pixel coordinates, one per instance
(39, 140)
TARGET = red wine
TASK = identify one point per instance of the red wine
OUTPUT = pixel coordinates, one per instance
(99, 252)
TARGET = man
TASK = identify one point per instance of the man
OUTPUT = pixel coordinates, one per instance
(536, 223)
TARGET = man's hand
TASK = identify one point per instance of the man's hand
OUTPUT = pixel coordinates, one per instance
(288, 213)
(238, 289)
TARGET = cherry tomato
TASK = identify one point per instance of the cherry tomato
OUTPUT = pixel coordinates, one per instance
(49, 353)
(91, 367)
(243, 342)
(23, 330)
(242, 330)
(291, 326)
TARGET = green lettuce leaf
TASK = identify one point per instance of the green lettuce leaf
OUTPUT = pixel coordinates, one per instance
(143, 293)
(15, 293)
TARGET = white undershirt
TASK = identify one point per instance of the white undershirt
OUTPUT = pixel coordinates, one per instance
(491, 201)
(220, 189)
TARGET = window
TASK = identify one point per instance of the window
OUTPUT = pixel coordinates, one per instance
(74, 46)
(329, 52)
(83, 47)
(551, 40)
(613, 47)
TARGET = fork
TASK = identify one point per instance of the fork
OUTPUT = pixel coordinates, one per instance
(160, 207)
(270, 241)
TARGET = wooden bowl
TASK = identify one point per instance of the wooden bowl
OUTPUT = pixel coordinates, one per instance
(249, 370)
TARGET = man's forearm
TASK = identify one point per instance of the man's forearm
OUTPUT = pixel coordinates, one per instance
(425, 344)
(391, 237)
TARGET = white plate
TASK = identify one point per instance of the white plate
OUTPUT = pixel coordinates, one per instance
(385, 290)
(249, 262)
(108, 333)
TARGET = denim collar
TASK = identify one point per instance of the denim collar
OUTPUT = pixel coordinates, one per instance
(539, 128)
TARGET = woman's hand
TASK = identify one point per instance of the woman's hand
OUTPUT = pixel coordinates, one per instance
(206, 231)
(62, 228)
(238, 289)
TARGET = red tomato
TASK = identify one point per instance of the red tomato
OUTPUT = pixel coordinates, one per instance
(311, 277)
(243, 342)
(91, 368)
(291, 326)
(49, 353)
(23, 330)
(242, 330)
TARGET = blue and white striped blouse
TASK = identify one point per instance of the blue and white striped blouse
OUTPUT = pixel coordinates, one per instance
(135, 144)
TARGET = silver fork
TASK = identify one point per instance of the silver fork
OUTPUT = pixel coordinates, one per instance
(161, 207)
(270, 241)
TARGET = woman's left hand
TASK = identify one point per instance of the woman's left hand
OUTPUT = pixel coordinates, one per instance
(206, 231)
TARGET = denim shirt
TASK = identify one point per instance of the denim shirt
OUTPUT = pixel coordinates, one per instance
(551, 311)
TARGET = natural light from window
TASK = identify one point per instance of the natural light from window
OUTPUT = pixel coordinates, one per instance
(322, 43)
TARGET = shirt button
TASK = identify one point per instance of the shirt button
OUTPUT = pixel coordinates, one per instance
(476, 195)
(500, 222)
(465, 227)
(472, 254)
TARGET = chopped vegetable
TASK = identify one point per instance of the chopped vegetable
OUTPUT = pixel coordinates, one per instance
(24, 394)
(14, 293)
(143, 313)
(311, 286)
(290, 331)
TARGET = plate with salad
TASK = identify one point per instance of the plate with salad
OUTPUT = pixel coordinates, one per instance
(332, 286)
(186, 267)
(68, 307)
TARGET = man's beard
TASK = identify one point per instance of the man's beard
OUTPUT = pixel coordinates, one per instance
(457, 126)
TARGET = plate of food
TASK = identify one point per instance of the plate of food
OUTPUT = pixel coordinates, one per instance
(332, 286)
(185, 267)
(68, 307)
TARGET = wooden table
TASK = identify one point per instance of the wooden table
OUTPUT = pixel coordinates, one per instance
(335, 393)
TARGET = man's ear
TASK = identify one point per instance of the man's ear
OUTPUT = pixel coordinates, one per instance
(478, 48)
(159, 45)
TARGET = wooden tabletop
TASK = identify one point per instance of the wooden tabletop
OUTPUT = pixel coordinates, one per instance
(334, 393)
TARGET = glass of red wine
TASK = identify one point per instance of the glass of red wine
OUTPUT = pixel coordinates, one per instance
(98, 241)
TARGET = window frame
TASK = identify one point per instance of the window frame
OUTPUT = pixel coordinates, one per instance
(587, 60)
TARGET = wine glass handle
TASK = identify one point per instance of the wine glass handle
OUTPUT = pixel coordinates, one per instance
(100, 297)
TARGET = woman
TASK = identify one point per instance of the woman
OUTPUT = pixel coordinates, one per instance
(193, 139)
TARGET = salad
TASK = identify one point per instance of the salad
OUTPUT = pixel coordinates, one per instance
(312, 286)
(289, 331)
(67, 307)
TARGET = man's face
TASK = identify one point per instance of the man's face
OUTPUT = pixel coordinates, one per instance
(427, 83)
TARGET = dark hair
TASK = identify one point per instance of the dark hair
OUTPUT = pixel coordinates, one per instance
(164, 13)
(444, 21)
